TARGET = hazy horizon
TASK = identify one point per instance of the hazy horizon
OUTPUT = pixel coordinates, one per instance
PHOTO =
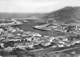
(35, 6)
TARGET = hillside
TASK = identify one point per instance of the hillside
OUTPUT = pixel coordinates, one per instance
(65, 15)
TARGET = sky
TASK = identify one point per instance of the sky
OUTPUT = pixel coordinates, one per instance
(35, 6)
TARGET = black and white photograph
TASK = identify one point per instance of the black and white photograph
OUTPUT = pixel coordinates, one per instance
(39, 28)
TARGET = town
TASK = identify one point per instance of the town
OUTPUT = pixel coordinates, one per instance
(13, 37)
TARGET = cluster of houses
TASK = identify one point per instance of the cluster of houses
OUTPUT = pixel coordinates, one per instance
(11, 37)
